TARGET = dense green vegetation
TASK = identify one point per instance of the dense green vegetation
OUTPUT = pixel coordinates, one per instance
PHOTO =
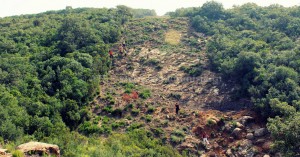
(50, 65)
(259, 48)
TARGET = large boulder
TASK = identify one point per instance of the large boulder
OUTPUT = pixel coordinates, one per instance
(260, 132)
(266, 146)
(245, 120)
(250, 136)
(237, 132)
(2, 152)
(39, 148)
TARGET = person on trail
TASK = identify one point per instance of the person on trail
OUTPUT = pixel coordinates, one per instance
(205, 136)
(124, 48)
(177, 108)
(111, 54)
(121, 49)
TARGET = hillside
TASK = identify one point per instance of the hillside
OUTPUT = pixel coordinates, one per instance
(163, 68)
(232, 75)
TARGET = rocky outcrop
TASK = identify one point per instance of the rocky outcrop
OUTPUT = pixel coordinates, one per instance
(260, 132)
(245, 120)
(2, 152)
(237, 133)
(250, 136)
(39, 148)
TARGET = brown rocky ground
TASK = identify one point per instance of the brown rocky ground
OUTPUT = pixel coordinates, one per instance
(205, 100)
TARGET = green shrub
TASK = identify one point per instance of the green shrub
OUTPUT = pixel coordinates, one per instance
(175, 139)
(151, 109)
(178, 133)
(134, 126)
(128, 106)
(135, 112)
(158, 131)
(18, 153)
(89, 128)
(175, 96)
(108, 109)
(116, 125)
(117, 112)
(145, 94)
(148, 118)
(193, 70)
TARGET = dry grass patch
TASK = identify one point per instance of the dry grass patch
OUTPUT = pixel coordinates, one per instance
(173, 37)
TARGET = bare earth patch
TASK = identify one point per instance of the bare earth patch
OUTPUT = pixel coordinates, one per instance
(173, 37)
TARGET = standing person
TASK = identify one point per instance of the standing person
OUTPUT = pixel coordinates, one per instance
(177, 108)
(111, 54)
(124, 47)
(205, 136)
(121, 49)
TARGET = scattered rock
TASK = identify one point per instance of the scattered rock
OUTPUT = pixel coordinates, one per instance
(237, 132)
(239, 125)
(260, 141)
(246, 143)
(245, 120)
(245, 148)
(266, 146)
(3, 152)
(187, 146)
(40, 148)
(228, 127)
(250, 136)
(260, 132)
(229, 153)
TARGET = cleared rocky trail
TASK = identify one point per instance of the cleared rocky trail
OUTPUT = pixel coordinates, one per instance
(159, 52)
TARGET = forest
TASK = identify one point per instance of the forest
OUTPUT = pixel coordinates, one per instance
(50, 65)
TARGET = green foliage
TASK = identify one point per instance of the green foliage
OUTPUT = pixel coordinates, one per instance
(148, 118)
(151, 109)
(141, 13)
(256, 47)
(49, 67)
(18, 153)
(135, 112)
(286, 132)
(134, 126)
(145, 94)
(193, 71)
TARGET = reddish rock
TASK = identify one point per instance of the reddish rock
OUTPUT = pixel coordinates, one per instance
(266, 146)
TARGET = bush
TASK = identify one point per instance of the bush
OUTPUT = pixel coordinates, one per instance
(108, 109)
(18, 153)
(134, 126)
(145, 94)
(148, 118)
(193, 70)
(151, 109)
(158, 131)
(89, 128)
(175, 139)
(178, 133)
(135, 112)
(117, 112)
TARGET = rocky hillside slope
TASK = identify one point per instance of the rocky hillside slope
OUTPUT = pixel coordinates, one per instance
(166, 64)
